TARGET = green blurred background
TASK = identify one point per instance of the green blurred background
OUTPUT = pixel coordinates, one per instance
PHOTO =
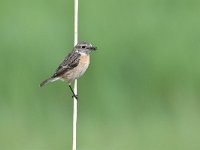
(141, 91)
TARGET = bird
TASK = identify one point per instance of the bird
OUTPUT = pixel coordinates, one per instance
(73, 66)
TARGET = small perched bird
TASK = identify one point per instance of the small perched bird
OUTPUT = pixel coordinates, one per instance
(73, 66)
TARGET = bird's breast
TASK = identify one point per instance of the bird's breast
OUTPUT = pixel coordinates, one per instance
(79, 70)
(83, 64)
(85, 59)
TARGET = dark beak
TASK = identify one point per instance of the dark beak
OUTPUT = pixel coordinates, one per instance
(93, 48)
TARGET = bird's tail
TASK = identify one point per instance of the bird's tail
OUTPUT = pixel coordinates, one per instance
(51, 79)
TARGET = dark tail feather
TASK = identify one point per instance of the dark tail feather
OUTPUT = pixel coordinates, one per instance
(46, 81)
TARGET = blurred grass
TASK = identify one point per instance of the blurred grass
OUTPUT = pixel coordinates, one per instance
(140, 92)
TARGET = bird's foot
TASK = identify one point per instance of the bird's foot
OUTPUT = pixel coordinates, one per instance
(75, 96)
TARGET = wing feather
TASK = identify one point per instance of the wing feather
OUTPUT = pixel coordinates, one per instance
(71, 61)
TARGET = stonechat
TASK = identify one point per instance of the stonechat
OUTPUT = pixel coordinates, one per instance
(73, 66)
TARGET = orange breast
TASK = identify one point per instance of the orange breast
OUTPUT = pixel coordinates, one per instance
(79, 70)
(84, 59)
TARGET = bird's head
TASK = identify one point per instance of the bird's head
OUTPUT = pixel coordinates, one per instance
(84, 47)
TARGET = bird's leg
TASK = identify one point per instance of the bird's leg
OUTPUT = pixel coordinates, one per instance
(74, 95)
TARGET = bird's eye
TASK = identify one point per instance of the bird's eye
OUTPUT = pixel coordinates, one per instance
(83, 46)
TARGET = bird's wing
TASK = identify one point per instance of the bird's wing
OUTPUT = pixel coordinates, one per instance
(71, 61)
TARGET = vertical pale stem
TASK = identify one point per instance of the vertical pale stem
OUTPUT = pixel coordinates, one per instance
(75, 104)
(75, 22)
(74, 117)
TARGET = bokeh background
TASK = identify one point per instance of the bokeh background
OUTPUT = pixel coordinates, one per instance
(141, 91)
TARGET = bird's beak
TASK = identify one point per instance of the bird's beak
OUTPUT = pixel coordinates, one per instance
(93, 48)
